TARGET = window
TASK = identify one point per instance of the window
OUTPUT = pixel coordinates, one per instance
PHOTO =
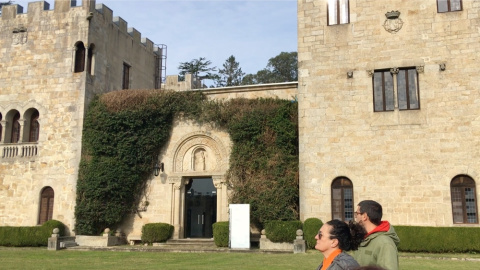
(342, 199)
(46, 205)
(91, 60)
(464, 201)
(79, 57)
(1, 127)
(448, 5)
(15, 136)
(338, 12)
(34, 127)
(406, 90)
(126, 76)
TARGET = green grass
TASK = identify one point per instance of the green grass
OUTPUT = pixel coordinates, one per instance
(41, 258)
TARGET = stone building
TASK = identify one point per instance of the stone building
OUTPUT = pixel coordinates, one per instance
(389, 109)
(53, 61)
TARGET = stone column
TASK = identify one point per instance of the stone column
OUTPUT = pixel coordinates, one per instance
(176, 187)
(4, 128)
(222, 199)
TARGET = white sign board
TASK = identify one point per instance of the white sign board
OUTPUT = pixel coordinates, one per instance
(239, 226)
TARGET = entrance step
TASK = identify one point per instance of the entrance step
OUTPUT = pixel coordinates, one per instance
(190, 244)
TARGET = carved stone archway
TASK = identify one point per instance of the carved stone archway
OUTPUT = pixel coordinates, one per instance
(197, 155)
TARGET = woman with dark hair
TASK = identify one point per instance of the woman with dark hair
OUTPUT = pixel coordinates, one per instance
(334, 238)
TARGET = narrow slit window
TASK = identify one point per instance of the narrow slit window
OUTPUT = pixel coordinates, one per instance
(126, 76)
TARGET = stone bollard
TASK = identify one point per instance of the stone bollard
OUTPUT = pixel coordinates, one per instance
(299, 243)
(53, 242)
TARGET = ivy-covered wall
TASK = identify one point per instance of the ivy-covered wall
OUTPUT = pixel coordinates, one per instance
(124, 132)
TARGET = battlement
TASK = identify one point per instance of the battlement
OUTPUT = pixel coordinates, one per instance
(37, 10)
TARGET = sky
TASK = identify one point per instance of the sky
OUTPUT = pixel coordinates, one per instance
(251, 30)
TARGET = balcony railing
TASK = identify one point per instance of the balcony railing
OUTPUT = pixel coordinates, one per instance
(16, 150)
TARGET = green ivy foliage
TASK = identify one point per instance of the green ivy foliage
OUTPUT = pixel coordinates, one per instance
(125, 130)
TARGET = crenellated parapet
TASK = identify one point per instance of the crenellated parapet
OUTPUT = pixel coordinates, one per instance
(38, 11)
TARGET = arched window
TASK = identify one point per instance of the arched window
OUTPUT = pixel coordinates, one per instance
(46, 205)
(79, 57)
(464, 201)
(15, 136)
(34, 127)
(91, 59)
(342, 199)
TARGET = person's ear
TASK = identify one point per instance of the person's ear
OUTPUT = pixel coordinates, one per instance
(334, 243)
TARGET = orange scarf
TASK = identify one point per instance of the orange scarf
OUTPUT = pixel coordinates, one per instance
(329, 260)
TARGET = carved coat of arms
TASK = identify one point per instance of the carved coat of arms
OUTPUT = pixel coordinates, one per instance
(393, 23)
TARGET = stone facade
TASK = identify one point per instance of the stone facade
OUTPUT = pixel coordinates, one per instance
(404, 159)
(38, 73)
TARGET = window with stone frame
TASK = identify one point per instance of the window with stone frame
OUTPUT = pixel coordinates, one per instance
(46, 205)
(448, 5)
(342, 199)
(338, 12)
(15, 135)
(79, 57)
(464, 200)
(396, 88)
(126, 76)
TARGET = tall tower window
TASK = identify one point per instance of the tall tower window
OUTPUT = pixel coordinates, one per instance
(79, 57)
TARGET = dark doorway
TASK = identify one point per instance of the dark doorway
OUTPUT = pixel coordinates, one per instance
(200, 208)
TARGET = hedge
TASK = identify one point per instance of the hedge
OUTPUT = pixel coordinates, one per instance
(438, 239)
(221, 233)
(156, 232)
(282, 231)
(33, 236)
(311, 226)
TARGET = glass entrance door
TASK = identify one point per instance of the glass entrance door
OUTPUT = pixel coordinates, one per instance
(200, 208)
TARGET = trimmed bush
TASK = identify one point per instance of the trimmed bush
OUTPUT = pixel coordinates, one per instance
(221, 233)
(282, 231)
(438, 239)
(156, 232)
(311, 226)
(34, 236)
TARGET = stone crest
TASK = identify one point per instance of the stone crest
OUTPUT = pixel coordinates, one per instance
(393, 23)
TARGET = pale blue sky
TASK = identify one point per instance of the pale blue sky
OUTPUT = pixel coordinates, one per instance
(251, 30)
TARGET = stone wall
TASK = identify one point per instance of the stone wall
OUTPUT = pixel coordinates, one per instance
(405, 159)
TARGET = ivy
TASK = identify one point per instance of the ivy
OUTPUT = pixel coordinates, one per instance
(125, 130)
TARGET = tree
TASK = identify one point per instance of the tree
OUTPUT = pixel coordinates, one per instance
(196, 67)
(231, 74)
(5, 4)
(281, 68)
(284, 67)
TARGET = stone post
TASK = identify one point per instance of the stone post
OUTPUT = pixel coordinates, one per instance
(53, 242)
(299, 243)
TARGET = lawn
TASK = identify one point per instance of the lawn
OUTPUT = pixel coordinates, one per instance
(41, 258)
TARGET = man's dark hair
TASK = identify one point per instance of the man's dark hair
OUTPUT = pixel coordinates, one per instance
(373, 210)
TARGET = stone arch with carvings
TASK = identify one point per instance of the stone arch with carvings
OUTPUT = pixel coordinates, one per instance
(200, 151)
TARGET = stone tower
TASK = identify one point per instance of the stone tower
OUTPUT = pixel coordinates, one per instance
(54, 61)
(389, 109)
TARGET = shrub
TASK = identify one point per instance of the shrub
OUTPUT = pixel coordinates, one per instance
(34, 236)
(221, 233)
(311, 226)
(438, 239)
(282, 231)
(156, 232)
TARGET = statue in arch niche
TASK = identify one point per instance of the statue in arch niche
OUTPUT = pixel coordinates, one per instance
(199, 160)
